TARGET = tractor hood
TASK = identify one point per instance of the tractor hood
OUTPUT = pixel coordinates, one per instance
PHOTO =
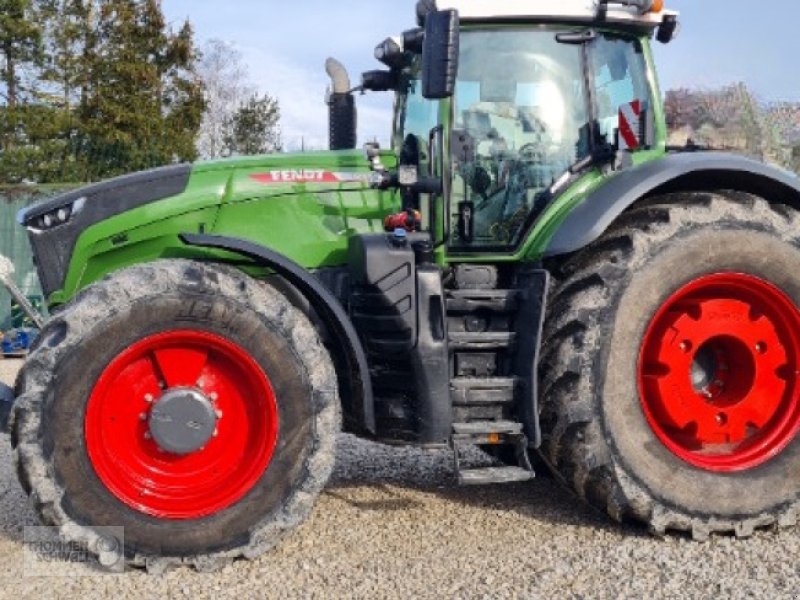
(55, 225)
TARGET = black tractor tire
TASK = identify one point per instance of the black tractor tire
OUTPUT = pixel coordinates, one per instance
(78, 345)
(597, 437)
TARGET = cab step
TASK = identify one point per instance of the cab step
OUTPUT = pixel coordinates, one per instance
(487, 427)
(490, 475)
(470, 301)
(494, 433)
(493, 340)
(477, 391)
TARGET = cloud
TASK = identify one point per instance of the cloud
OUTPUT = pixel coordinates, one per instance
(301, 93)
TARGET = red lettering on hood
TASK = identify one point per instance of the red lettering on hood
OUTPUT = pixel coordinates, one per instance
(284, 176)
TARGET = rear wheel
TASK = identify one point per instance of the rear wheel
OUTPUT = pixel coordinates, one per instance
(186, 403)
(670, 381)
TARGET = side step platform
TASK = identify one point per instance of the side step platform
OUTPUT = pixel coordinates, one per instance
(484, 433)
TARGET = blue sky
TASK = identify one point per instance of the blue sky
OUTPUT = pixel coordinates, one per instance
(285, 45)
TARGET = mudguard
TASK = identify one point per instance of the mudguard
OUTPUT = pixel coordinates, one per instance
(353, 371)
(698, 171)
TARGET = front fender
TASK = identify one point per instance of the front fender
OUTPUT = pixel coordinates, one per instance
(697, 171)
(350, 358)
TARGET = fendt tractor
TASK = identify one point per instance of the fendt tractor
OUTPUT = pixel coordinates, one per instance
(529, 269)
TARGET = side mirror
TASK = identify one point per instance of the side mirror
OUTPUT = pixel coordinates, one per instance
(669, 29)
(440, 54)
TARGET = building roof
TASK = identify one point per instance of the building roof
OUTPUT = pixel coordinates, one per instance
(549, 10)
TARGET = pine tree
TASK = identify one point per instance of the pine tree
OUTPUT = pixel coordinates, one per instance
(254, 128)
(183, 98)
(144, 103)
(20, 54)
(116, 90)
(67, 32)
(20, 44)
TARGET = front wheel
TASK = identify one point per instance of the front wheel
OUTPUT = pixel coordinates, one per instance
(186, 404)
(670, 366)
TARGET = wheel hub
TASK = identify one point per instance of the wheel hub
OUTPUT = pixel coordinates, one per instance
(717, 375)
(181, 425)
(183, 421)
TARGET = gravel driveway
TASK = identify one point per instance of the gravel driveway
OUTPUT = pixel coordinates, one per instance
(392, 524)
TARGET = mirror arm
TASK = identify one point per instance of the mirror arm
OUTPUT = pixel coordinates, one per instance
(434, 181)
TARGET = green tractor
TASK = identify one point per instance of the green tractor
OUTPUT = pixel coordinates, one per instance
(528, 269)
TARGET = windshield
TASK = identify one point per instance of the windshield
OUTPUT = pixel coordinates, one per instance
(522, 117)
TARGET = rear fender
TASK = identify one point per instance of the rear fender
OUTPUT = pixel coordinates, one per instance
(688, 171)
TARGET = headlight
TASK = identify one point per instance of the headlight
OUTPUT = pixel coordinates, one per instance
(56, 217)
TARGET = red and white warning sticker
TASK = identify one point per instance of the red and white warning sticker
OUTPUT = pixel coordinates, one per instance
(284, 176)
(630, 126)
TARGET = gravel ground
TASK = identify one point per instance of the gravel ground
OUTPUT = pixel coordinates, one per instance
(392, 524)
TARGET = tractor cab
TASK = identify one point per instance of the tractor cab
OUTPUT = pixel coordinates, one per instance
(504, 108)
(504, 114)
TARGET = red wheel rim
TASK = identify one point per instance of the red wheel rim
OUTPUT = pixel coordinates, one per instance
(718, 378)
(132, 465)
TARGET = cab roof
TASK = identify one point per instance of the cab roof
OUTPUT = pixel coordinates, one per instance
(578, 11)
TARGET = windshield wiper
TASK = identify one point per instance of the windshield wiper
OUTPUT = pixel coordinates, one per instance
(602, 154)
(576, 38)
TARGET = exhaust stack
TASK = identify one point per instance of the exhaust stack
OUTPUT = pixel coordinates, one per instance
(343, 117)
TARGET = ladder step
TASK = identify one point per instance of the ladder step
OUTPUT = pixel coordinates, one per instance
(494, 475)
(469, 391)
(481, 427)
(489, 340)
(472, 300)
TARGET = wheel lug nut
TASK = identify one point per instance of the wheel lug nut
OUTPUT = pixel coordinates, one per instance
(143, 417)
(148, 398)
(219, 414)
(147, 435)
(216, 433)
(214, 396)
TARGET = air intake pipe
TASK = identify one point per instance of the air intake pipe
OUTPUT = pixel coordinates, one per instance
(343, 118)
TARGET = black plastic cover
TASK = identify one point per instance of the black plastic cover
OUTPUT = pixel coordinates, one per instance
(383, 301)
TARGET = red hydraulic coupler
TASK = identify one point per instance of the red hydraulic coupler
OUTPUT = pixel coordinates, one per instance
(408, 220)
